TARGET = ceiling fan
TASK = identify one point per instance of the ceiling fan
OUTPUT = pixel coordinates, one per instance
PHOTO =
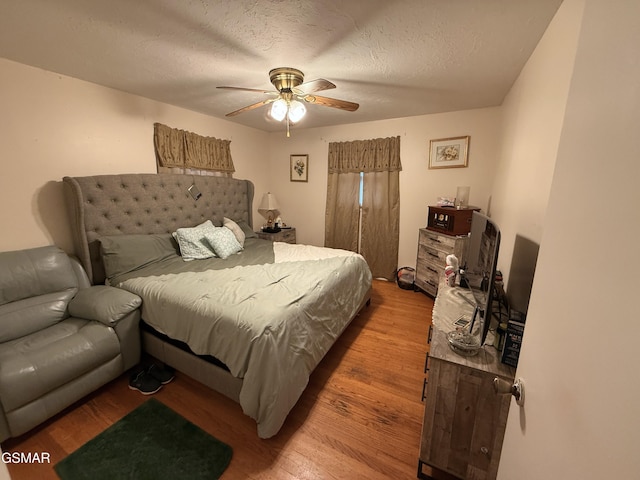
(288, 102)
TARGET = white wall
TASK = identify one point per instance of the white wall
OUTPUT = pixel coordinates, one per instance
(52, 126)
(303, 204)
(581, 418)
(533, 112)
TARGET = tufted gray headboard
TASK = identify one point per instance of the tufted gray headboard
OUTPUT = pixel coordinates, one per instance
(146, 203)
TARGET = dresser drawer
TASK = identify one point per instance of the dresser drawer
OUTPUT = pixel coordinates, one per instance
(287, 236)
(428, 273)
(429, 269)
(437, 240)
(427, 285)
(430, 254)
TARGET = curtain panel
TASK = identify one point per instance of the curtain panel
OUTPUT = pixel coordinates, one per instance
(187, 151)
(375, 229)
(380, 225)
(342, 217)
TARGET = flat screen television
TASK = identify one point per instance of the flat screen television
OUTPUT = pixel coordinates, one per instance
(479, 268)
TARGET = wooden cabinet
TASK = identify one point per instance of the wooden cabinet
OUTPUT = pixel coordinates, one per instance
(464, 418)
(286, 235)
(433, 248)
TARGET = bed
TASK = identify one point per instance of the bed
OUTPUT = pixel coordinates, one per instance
(252, 324)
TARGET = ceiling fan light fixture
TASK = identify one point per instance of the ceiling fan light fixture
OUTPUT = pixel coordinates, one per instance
(297, 110)
(292, 94)
(279, 109)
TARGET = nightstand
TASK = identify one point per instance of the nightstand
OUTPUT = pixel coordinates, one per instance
(286, 235)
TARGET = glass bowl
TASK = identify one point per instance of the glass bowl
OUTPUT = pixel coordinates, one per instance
(463, 343)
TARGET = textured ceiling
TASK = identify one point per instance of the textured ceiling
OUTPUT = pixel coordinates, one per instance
(395, 58)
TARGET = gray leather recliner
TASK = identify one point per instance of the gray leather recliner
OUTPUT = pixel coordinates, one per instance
(60, 337)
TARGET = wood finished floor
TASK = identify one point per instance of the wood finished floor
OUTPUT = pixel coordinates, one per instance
(359, 418)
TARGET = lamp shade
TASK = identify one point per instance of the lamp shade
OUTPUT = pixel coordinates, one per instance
(279, 109)
(268, 205)
(296, 111)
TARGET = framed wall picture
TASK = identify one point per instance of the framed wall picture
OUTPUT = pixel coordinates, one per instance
(449, 152)
(299, 169)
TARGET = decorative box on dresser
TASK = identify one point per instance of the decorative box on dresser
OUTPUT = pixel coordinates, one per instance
(464, 418)
(286, 235)
(433, 248)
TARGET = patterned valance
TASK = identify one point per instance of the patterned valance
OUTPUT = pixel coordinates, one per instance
(377, 155)
(186, 150)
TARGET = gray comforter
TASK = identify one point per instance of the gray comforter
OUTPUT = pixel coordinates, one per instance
(270, 323)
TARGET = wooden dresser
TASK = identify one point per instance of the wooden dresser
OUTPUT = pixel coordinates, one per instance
(433, 248)
(464, 418)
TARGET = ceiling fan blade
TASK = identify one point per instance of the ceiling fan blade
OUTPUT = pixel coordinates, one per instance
(248, 89)
(331, 102)
(313, 86)
(250, 107)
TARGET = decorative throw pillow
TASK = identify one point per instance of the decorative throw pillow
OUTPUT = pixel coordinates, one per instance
(223, 242)
(193, 245)
(235, 228)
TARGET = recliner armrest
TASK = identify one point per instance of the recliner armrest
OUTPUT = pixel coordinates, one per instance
(103, 304)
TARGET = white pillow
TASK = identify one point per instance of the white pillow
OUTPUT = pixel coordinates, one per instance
(223, 242)
(192, 242)
(235, 228)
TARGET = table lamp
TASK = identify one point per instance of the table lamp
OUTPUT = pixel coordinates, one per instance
(269, 209)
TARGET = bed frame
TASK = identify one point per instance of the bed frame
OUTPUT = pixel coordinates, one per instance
(152, 204)
(143, 203)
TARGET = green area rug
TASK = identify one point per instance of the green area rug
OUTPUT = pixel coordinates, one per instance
(151, 442)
